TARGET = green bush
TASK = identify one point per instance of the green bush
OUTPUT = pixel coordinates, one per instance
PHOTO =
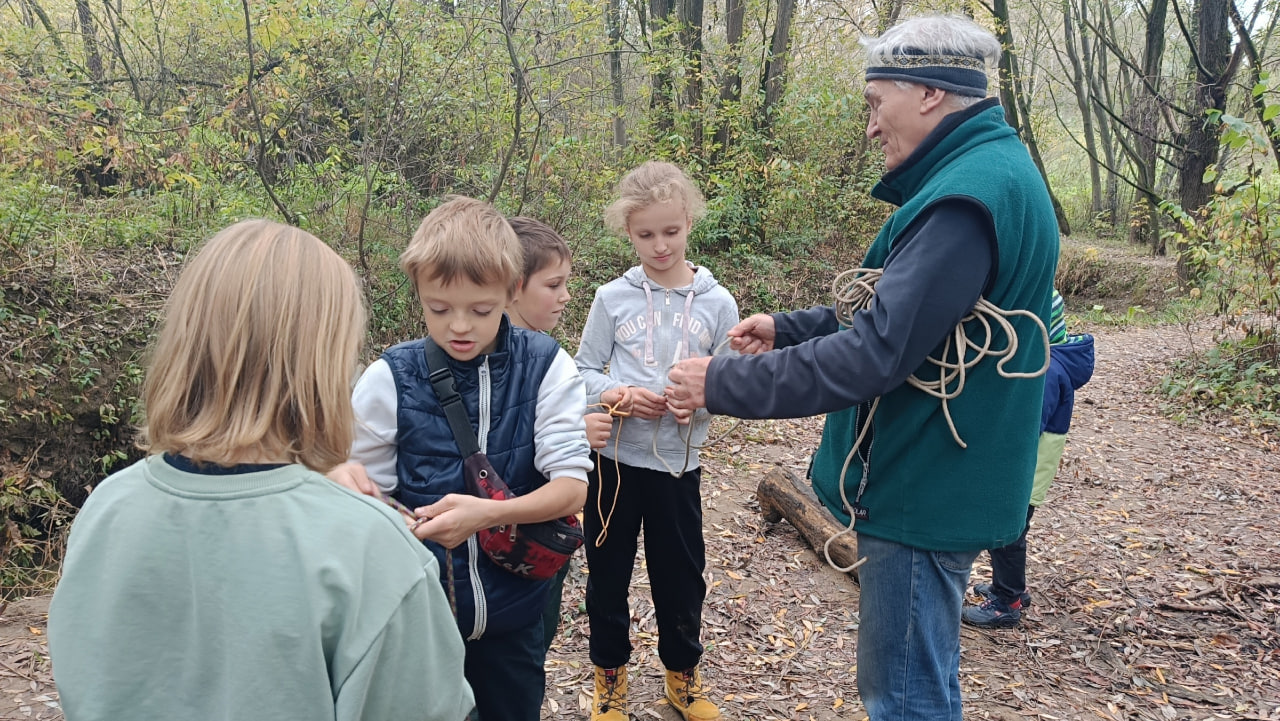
(1240, 378)
(33, 533)
(1229, 248)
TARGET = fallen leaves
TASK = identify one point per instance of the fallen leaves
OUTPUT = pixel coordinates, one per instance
(1154, 569)
(1146, 515)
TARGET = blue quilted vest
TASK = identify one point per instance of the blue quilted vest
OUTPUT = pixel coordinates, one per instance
(429, 465)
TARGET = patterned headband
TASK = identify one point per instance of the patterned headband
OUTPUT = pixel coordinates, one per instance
(960, 74)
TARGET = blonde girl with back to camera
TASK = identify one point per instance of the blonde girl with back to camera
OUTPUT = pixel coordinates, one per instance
(223, 576)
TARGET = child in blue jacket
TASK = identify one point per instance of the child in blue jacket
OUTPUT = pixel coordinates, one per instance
(1070, 367)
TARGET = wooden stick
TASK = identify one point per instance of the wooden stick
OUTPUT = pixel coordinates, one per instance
(784, 496)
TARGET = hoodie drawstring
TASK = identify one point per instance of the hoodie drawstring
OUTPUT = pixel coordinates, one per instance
(686, 322)
(649, 360)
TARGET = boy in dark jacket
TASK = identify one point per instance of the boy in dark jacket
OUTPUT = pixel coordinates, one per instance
(526, 402)
(1070, 367)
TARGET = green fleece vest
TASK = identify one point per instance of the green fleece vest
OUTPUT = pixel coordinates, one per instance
(923, 490)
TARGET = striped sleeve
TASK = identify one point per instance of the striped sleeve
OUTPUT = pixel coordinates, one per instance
(1057, 320)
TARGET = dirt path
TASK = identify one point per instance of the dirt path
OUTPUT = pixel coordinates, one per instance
(26, 686)
(1155, 566)
(1155, 569)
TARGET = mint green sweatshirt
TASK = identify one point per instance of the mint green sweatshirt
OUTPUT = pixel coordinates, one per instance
(269, 595)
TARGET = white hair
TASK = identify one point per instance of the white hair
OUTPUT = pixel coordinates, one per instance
(956, 100)
(934, 35)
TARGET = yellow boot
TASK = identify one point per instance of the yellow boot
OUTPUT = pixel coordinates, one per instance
(610, 702)
(685, 692)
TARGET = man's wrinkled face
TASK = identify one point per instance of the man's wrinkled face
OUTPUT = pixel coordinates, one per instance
(898, 118)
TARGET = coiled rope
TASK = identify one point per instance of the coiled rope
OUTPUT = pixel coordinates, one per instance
(853, 291)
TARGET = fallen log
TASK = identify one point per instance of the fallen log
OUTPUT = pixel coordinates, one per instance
(782, 495)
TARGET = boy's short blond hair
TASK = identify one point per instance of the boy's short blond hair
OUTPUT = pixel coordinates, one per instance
(654, 181)
(256, 352)
(542, 245)
(468, 238)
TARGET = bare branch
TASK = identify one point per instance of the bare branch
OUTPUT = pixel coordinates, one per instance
(1128, 62)
(261, 155)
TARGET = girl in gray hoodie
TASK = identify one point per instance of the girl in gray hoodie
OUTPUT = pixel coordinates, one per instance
(664, 310)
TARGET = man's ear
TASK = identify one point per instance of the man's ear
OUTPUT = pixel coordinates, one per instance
(933, 97)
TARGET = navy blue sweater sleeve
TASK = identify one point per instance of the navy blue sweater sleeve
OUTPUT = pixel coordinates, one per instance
(932, 278)
(801, 325)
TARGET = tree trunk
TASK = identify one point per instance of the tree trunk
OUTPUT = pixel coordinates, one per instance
(1144, 225)
(28, 17)
(661, 99)
(1213, 73)
(731, 83)
(784, 496)
(613, 21)
(773, 79)
(260, 154)
(89, 36)
(1014, 100)
(1255, 81)
(1100, 94)
(518, 80)
(54, 36)
(690, 13)
(887, 15)
(118, 47)
(1079, 85)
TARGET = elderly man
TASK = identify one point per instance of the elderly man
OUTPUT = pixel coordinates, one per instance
(973, 220)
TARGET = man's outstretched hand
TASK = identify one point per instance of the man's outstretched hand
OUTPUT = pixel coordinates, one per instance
(753, 335)
(688, 390)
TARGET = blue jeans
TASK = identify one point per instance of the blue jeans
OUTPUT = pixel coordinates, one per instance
(909, 630)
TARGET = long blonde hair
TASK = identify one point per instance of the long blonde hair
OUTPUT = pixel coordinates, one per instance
(256, 351)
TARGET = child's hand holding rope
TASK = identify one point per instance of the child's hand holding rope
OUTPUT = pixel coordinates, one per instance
(646, 404)
(599, 428)
(615, 402)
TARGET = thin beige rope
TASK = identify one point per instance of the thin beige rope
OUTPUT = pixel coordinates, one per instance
(689, 445)
(854, 290)
(617, 471)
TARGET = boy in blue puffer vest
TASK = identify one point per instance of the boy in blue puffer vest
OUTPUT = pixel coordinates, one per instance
(1070, 367)
(526, 402)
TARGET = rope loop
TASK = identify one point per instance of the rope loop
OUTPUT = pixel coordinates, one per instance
(615, 411)
(854, 290)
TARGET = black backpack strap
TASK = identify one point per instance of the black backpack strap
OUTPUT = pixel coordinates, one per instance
(442, 381)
